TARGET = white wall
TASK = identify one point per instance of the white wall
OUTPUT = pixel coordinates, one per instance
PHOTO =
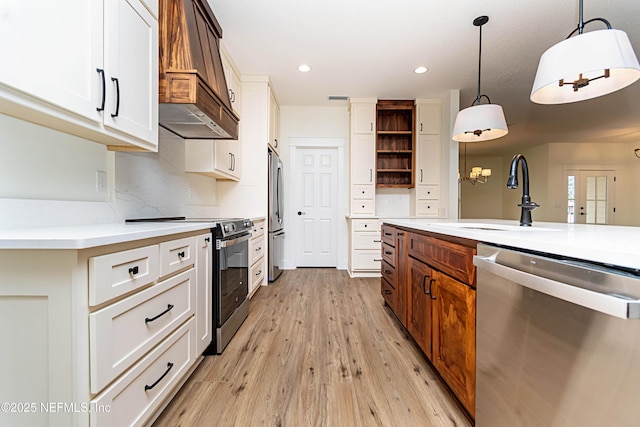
(48, 178)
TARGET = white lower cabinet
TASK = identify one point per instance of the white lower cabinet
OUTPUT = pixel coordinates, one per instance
(101, 354)
(365, 247)
(257, 246)
(134, 397)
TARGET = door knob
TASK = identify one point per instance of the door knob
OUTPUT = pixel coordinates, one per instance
(301, 213)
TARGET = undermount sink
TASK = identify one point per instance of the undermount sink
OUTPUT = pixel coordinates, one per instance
(488, 226)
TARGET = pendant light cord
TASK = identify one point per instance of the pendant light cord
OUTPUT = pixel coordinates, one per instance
(479, 22)
(479, 64)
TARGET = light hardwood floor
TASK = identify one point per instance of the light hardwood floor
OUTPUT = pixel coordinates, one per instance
(318, 349)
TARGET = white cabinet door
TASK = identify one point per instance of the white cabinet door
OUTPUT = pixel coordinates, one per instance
(363, 159)
(429, 118)
(428, 156)
(131, 67)
(51, 50)
(204, 292)
(363, 118)
(227, 157)
(233, 83)
(274, 123)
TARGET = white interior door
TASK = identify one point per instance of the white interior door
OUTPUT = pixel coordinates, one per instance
(316, 207)
(594, 196)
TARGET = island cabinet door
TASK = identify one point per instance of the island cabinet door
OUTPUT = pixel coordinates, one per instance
(420, 278)
(454, 336)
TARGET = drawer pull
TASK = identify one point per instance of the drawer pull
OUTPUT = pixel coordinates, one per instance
(207, 239)
(259, 249)
(388, 234)
(133, 270)
(258, 273)
(424, 285)
(388, 292)
(387, 272)
(400, 233)
(387, 253)
(149, 387)
(377, 241)
(377, 259)
(151, 319)
(181, 254)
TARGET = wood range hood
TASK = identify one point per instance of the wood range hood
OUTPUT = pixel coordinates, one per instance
(193, 95)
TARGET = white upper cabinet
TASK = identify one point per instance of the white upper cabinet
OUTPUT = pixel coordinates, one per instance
(131, 69)
(274, 122)
(363, 117)
(215, 158)
(72, 64)
(51, 50)
(429, 118)
(363, 155)
(233, 81)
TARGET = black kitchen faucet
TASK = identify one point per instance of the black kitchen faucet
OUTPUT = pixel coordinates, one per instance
(526, 205)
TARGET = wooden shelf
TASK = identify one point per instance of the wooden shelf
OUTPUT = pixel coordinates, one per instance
(395, 132)
(395, 143)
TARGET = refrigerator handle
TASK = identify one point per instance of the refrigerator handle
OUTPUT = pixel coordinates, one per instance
(278, 200)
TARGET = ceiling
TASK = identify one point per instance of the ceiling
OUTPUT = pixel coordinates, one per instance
(369, 48)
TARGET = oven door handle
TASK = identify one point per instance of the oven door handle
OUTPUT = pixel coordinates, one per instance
(226, 243)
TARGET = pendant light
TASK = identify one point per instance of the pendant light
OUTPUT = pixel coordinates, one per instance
(585, 66)
(480, 122)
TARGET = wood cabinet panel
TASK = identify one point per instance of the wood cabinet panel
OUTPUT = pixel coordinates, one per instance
(451, 258)
(389, 254)
(419, 319)
(454, 336)
(389, 294)
(402, 291)
(388, 235)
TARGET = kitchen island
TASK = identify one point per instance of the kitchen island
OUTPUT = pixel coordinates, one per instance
(607, 244)
(429, 279)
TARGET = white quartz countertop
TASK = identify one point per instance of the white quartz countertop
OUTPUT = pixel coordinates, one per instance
(609, 244)
(88, 236)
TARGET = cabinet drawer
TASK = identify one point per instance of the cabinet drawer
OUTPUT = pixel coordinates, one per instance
(176, 254)
(256, 275)
(366, 260)
(362, 207)
(256, 249)
(116, 274)
(428, 207)
(130, 399)
(363, 192)
(365, 225)
(388, 272)
(428, 192)
(388, 293)
(366, 240)
(454, 259)
(389, 254)
(258, 229)
(124, 331)
(388, 235)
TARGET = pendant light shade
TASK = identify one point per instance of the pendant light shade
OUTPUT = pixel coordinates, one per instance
(585, 66)
(480, 122)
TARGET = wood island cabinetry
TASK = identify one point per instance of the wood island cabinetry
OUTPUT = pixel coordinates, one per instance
(433, 294)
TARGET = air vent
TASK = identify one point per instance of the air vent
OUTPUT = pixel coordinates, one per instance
(338, 98)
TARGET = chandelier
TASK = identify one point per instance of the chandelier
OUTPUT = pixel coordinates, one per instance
(478, 174)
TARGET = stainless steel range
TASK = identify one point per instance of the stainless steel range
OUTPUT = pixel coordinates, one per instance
(230, 275)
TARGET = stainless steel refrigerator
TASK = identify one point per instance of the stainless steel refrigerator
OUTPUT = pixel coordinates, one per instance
(276, 217)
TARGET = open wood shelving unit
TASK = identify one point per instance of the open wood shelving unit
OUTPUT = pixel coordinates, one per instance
(395, 143)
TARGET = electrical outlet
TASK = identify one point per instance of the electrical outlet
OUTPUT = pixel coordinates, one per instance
(101, 181)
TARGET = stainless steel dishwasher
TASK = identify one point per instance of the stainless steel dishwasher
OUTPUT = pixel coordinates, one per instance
(558, 341)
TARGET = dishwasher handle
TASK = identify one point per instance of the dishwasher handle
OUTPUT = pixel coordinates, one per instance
(612, 305)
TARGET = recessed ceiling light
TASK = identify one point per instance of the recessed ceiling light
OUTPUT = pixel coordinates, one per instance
(304, 68)
(421, 70)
